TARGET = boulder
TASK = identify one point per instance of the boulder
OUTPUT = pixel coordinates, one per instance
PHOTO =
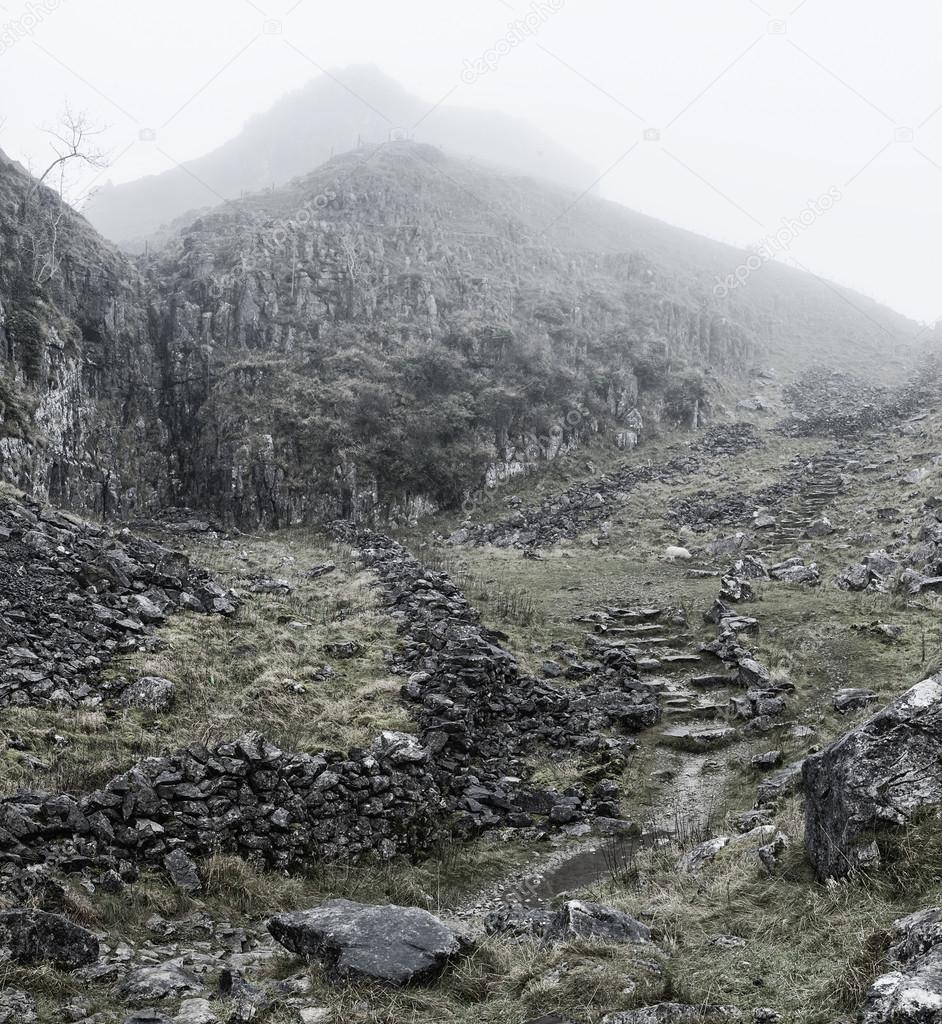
(34, 937)
(910, 992)
(874, 780)
(150, 693)
(182, 871)
(819, 528)
(146, 1016)
(854, 577)
(729, 547)
(163, 981)
(195, 1011)
(391, 944)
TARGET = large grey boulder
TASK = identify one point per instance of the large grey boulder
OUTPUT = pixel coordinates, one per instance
(396, 945)
(911, 991)
(36, 937)
(873, 780)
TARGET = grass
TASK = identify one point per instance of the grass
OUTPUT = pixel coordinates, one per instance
(810, 950)
(262, 669)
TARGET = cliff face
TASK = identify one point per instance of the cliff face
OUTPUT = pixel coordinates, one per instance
(78, 414)
(375, 339)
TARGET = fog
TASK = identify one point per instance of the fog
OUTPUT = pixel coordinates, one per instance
(724, 118)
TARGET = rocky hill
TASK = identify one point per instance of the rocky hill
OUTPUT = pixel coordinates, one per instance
(346, 108)
(591, 675)
(379, 338)
(672, 756)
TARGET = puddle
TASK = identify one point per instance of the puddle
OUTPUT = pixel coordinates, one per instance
(597, 865)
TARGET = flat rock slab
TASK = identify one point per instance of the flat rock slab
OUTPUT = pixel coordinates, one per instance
(35, 937)
(692, 738)
(395, 945)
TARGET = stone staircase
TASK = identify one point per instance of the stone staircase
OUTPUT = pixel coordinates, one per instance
(820, 487)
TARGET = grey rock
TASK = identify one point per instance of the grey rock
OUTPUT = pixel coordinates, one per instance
(145, 1016)
(575, 919)
(729, 547)
(874, 780)
(183, 871)
(344, 649)
(163, 981)
(767, 759)
(852, 698)
(910, 992)
(854, 577)
(195, 1011)
(150, 693)
(17, 1007)
(776, 787)
(695, 860)
(34, 937)
(315, 1015)
(819, 528)
(391, 944)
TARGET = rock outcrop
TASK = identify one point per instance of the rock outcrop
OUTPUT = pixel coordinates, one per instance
(876, 779)
(575, 919)
(910, 992)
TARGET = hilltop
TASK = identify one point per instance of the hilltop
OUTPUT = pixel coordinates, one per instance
(336, 112)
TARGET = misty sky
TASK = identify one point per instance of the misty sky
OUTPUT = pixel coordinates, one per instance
(760, 105)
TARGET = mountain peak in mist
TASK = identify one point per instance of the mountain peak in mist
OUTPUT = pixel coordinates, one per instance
(340, 110)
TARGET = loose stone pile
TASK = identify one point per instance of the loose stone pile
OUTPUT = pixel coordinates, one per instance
(476, 714)
(588, 505)
(247, 796)
(836, 404)
(912, 570)
(73, 594)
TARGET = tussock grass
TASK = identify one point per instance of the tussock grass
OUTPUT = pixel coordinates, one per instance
(262, 669)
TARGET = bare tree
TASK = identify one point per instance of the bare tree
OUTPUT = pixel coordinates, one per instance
(73, 143)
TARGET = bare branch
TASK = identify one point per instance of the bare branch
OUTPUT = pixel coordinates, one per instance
(72, 140)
